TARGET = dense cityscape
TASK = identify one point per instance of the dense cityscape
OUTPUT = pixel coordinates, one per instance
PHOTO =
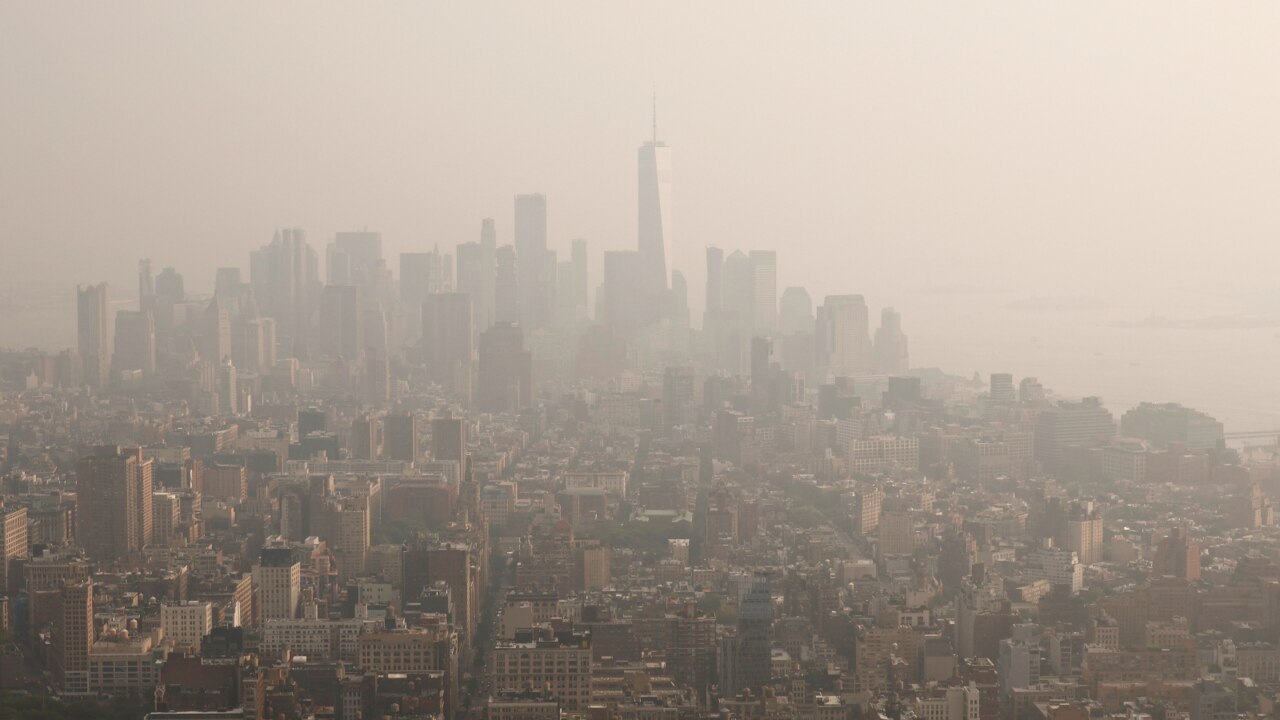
(474, 482)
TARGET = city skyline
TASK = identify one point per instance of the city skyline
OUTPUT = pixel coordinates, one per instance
(859, 184)
(587, 361)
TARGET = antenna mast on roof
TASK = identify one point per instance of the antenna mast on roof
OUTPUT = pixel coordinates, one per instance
(655, 116)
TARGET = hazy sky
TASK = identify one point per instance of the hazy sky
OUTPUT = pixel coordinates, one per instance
(1100, 149)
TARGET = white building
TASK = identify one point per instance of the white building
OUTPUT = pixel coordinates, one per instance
(185, 624)
(956, 703)
(1058, 566)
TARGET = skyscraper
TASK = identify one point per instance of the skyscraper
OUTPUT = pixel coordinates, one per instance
(678, 396)
(228, 392)
(400, 437)
(416, 273)
(341, 322)
(889, 355)
(353, 257)
(278, 580)
(448, 439)
(578, 257)
(135, 341)
(622, 298)
(349, 518)
(1002, 388)
(654, 160)
(215, 336)
(473, 282)
(285, 276)
(146, 285)
(738, 293)
(1086, 424)
(1177, 555)
(488, 267)
(842, 336)
(795, 312)
(506, 294)
(755, 618)
(73, 635)
(113, 488)
(505, 378)
(715, 268)
(448, 337)
(531, 261)
(14, 541)
(764, 265)
(91, 335)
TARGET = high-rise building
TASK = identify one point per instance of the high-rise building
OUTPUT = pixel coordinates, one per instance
(400, 437)
(678, 401)
(14, 543)
(578, 260)
(842, 338)
(592, 566)
(1002, 388)
(534, 281)
(1084, 537)
(146, 285)
(228, 388)
(421, 274)
(889, 355)
(285, 276)
(1170, 423)
(257, 345)
(764, 265)
(715, 277)
(419, 277)
(473, 282)
(225, 482)
(563, 664)
(73, 636)
(170, 286)
(755, 618)
(1071, 424)
(355, 258)
(1058, 566)
(1177, 555)
(449, 439)
(341, 322)
(866, 509)
(215, 334)
(363, 443)
(897, 533)
(654, 161)
(762, 376)
(505, 377)
(277, 579)
(623, 308)
(795, 312)
(566, 311)
(488, 272)
(135, 341)
(91, 334)
(351, 528)
(113, 492)
(738, 292)
(448, 338)
(506, 293)
(186, 623)
(1019, 661)
(795, 328)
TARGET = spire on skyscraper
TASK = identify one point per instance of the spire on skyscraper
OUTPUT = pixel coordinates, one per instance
(655, 116)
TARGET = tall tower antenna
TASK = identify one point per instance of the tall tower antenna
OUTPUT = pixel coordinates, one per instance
(655, 116)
